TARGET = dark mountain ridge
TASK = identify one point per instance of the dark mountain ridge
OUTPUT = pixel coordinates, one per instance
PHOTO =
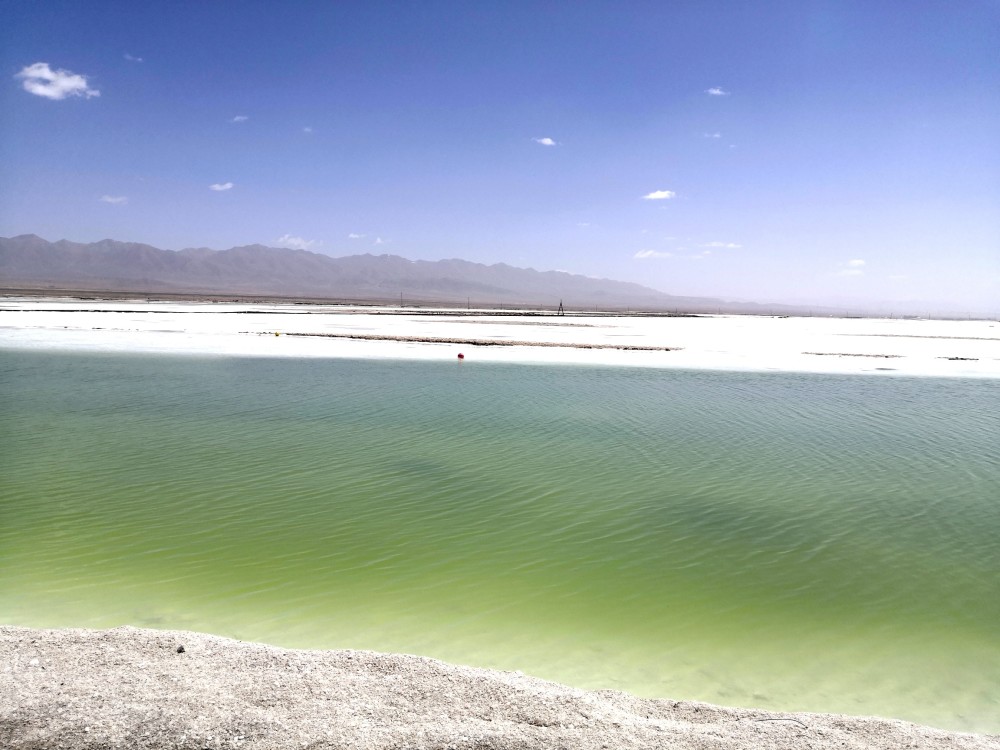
(110, 265)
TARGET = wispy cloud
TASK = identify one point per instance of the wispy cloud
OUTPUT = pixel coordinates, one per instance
(652, 254)
(355, 236)
(117, 200)
(545, 141)
(659, 195)
(307, 130)
(716, 91)
(853, 267)
(727, 245)
(240, 118)
(379, 241)
(296, 243)
(132, 58)
(712, 135)
(41, 80)
(221, 186)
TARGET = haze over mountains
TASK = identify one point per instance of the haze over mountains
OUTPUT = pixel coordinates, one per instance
(28, 261)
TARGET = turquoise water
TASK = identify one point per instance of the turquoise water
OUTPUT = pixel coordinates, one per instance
(799, 542)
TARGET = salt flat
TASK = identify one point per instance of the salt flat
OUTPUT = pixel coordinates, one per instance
(953, 348)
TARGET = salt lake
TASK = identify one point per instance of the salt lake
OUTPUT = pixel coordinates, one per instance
(798, 541)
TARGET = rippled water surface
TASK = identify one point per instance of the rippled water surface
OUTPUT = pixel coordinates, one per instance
(799, 542)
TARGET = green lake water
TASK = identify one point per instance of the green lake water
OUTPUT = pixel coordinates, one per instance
(795, 542)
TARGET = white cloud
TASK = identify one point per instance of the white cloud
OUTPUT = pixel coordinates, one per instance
(117, 200)
(132, 58)
(712, 135)
(727, 245)
(716, 91)
(240, 118)
(307, 129)
(41, 80)
(296, 243)
(652, 254)
(659, 195)
(545, 141)
(221, 186)
(355, 236)
(854, 267)
(379, 241)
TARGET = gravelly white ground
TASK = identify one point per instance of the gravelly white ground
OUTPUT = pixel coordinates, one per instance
(833, 345)
(133, 688)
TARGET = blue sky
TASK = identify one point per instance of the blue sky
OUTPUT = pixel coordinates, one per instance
(827, 152)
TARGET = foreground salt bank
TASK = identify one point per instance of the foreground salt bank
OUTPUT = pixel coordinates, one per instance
(132, 688)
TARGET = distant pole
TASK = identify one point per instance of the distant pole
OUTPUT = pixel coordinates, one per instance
(400, 299)
(561, 311)
(468, 303)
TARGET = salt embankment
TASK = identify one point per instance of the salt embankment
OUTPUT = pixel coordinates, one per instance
(134, 688)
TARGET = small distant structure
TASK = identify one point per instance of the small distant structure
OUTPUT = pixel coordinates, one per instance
(560, 311)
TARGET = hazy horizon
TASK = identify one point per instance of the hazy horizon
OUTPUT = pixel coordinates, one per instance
(781, 152)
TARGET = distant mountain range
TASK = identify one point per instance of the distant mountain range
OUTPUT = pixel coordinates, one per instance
(28, 261)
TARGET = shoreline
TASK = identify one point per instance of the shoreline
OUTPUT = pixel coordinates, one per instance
(130, 687)
(933, 348)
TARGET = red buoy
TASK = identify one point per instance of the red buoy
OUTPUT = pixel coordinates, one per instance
(461, 356)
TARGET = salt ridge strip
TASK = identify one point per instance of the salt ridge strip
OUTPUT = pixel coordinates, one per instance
(962, 348)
